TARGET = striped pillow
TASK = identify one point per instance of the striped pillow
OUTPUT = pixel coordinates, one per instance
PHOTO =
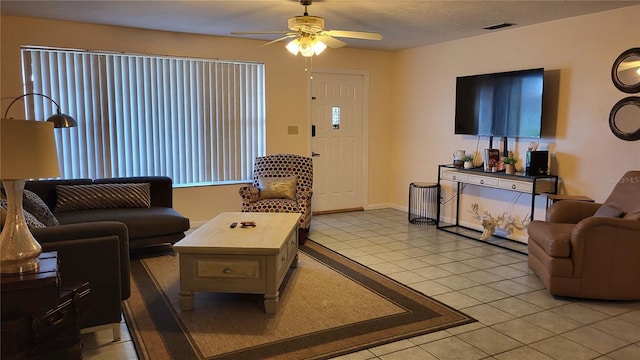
(102, 196)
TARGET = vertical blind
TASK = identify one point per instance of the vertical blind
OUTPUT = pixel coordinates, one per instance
(197, 121)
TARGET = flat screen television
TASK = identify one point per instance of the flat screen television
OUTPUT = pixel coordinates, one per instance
(505, 104)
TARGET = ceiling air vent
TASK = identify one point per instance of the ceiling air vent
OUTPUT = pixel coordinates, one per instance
(498, 26)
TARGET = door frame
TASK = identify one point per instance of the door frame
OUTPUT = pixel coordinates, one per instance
(365, 121)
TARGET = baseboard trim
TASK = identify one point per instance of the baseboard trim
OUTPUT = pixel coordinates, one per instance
(337, 211)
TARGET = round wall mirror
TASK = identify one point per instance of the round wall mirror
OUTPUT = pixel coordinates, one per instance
(625, 72)
(624, 119)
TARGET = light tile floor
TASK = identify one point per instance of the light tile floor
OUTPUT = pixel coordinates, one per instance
(517, 319)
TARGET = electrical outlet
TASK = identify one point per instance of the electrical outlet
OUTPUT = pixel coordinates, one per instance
(292, 130)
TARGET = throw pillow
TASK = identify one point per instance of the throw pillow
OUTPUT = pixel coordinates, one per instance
(31, 221)
(607, 210)
(35, 206)
(102, 196)
(278, 187)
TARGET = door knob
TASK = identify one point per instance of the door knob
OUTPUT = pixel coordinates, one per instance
(314, 154)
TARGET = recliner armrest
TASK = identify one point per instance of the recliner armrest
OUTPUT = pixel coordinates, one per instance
(598, 238)
(570, 211)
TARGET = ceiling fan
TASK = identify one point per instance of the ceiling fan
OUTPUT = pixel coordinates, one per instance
(309, 34)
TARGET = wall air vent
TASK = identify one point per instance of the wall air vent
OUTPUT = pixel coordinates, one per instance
(498, 26)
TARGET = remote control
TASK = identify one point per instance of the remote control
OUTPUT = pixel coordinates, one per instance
(233, 224)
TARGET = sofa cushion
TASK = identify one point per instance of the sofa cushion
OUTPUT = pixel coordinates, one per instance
(141, 222)
(278, 187)
(275, 205)
(607, 210)
(553, 238)
(35, 206)
(102, 196)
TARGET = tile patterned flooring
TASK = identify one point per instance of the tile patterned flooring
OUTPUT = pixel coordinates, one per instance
(517, 319)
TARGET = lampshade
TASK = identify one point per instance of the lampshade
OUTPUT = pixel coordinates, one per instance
(27, 150)
(59, 119)
(307, 46)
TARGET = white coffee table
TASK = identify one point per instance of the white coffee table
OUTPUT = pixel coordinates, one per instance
(252, 260)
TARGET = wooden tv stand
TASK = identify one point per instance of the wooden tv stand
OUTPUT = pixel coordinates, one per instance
(532, 185)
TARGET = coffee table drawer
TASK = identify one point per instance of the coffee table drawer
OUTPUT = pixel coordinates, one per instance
(230, 269)
(223, 273)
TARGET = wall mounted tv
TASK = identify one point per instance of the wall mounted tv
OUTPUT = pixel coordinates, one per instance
(505, 104)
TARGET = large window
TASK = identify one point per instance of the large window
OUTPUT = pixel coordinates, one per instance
(198, 121)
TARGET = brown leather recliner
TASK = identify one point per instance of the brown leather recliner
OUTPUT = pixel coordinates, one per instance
(591, 250)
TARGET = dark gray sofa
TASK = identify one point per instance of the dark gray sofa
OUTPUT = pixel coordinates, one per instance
(154, 225)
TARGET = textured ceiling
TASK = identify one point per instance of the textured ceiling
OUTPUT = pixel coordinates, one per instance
(404, 24)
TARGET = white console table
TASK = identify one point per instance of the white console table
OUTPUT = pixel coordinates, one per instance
(532, 185)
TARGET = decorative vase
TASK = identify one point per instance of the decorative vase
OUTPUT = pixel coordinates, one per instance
(468, 164)
(509, 169)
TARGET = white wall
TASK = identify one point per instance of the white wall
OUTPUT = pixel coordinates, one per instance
(578, 51)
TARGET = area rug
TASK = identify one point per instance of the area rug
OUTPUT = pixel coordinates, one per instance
(329, 305)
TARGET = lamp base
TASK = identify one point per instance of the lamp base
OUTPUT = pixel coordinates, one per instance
(19, 250)
(20, 266)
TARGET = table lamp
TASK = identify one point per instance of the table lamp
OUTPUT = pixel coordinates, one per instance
(27, 151)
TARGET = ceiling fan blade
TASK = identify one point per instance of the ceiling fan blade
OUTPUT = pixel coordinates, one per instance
(259, 32)
(288, 36)
(354, 34)
(331, 41)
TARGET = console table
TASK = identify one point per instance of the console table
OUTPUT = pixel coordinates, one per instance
(532, 185)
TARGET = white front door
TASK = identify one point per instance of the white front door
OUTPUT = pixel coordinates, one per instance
(337, 141)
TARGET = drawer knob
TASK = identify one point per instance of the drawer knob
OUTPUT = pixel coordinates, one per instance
(227, 271)
(481, 181)
(513, 186)
(454, 177)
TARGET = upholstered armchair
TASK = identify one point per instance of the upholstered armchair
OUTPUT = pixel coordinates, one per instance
(591, 250)
(281, 183)
(97, 252)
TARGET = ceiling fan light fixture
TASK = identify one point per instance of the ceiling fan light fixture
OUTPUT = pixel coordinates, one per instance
(310, 37)
(318, 47)
(292, 46)
(306, 46)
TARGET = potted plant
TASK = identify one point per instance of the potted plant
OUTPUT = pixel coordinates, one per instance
(468, 161)
(509, 164)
